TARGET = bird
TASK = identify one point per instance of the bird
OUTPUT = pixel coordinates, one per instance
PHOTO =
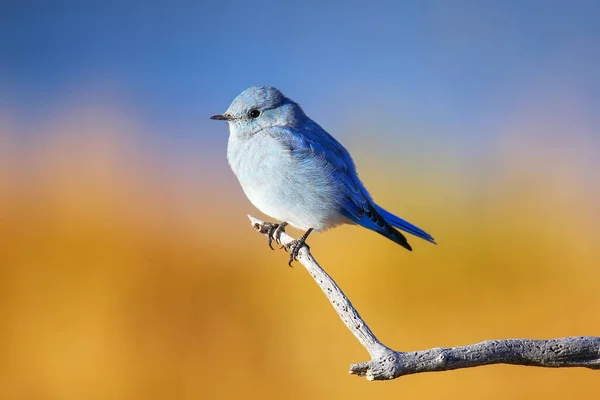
(292, 170)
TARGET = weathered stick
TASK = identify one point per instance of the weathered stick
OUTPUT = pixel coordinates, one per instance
(577, 351)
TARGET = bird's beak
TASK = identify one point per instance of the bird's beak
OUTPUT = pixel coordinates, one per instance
(222, 117)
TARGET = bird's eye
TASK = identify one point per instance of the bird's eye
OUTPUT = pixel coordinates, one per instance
(254, 113)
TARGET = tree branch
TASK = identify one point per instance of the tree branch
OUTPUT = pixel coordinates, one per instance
(577, 351)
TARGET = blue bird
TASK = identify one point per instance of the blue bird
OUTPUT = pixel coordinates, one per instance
(293, 170)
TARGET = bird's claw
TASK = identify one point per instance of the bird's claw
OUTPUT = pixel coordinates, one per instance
(294, 249)
(277, 234)
(273, 232)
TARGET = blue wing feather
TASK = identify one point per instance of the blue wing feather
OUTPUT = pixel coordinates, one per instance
(358, 205)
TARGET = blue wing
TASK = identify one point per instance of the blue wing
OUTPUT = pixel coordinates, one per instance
(357, 205)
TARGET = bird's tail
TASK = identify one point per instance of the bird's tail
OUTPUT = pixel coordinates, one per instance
(404, 225)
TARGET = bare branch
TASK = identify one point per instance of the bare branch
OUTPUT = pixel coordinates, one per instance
(577, 351)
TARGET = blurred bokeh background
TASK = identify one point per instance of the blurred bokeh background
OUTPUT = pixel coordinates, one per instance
(128, 269)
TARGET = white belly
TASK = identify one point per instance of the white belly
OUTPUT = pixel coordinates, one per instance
(300, 193)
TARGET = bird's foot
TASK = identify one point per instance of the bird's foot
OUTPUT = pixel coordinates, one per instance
(273, 232)
(295, 245)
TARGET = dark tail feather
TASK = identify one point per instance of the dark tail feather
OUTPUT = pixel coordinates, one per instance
(394, 236)
(404, 225)
(371, 219)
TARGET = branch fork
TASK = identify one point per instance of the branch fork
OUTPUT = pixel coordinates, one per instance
(386, 364)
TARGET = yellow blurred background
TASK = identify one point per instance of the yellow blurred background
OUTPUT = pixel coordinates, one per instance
(128, 268)
(126, 278)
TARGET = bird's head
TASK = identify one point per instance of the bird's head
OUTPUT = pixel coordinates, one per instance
(260, 107)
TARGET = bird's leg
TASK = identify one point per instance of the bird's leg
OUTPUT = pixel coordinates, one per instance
(295, 245)
(277, 234)
(273, 231)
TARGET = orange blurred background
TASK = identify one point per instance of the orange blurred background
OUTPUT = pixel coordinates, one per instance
(126, 278)
(128, 268)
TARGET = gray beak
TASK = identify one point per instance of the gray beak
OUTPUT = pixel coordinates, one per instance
(222, 117)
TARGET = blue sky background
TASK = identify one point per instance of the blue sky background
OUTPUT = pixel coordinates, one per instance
(452, 72)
